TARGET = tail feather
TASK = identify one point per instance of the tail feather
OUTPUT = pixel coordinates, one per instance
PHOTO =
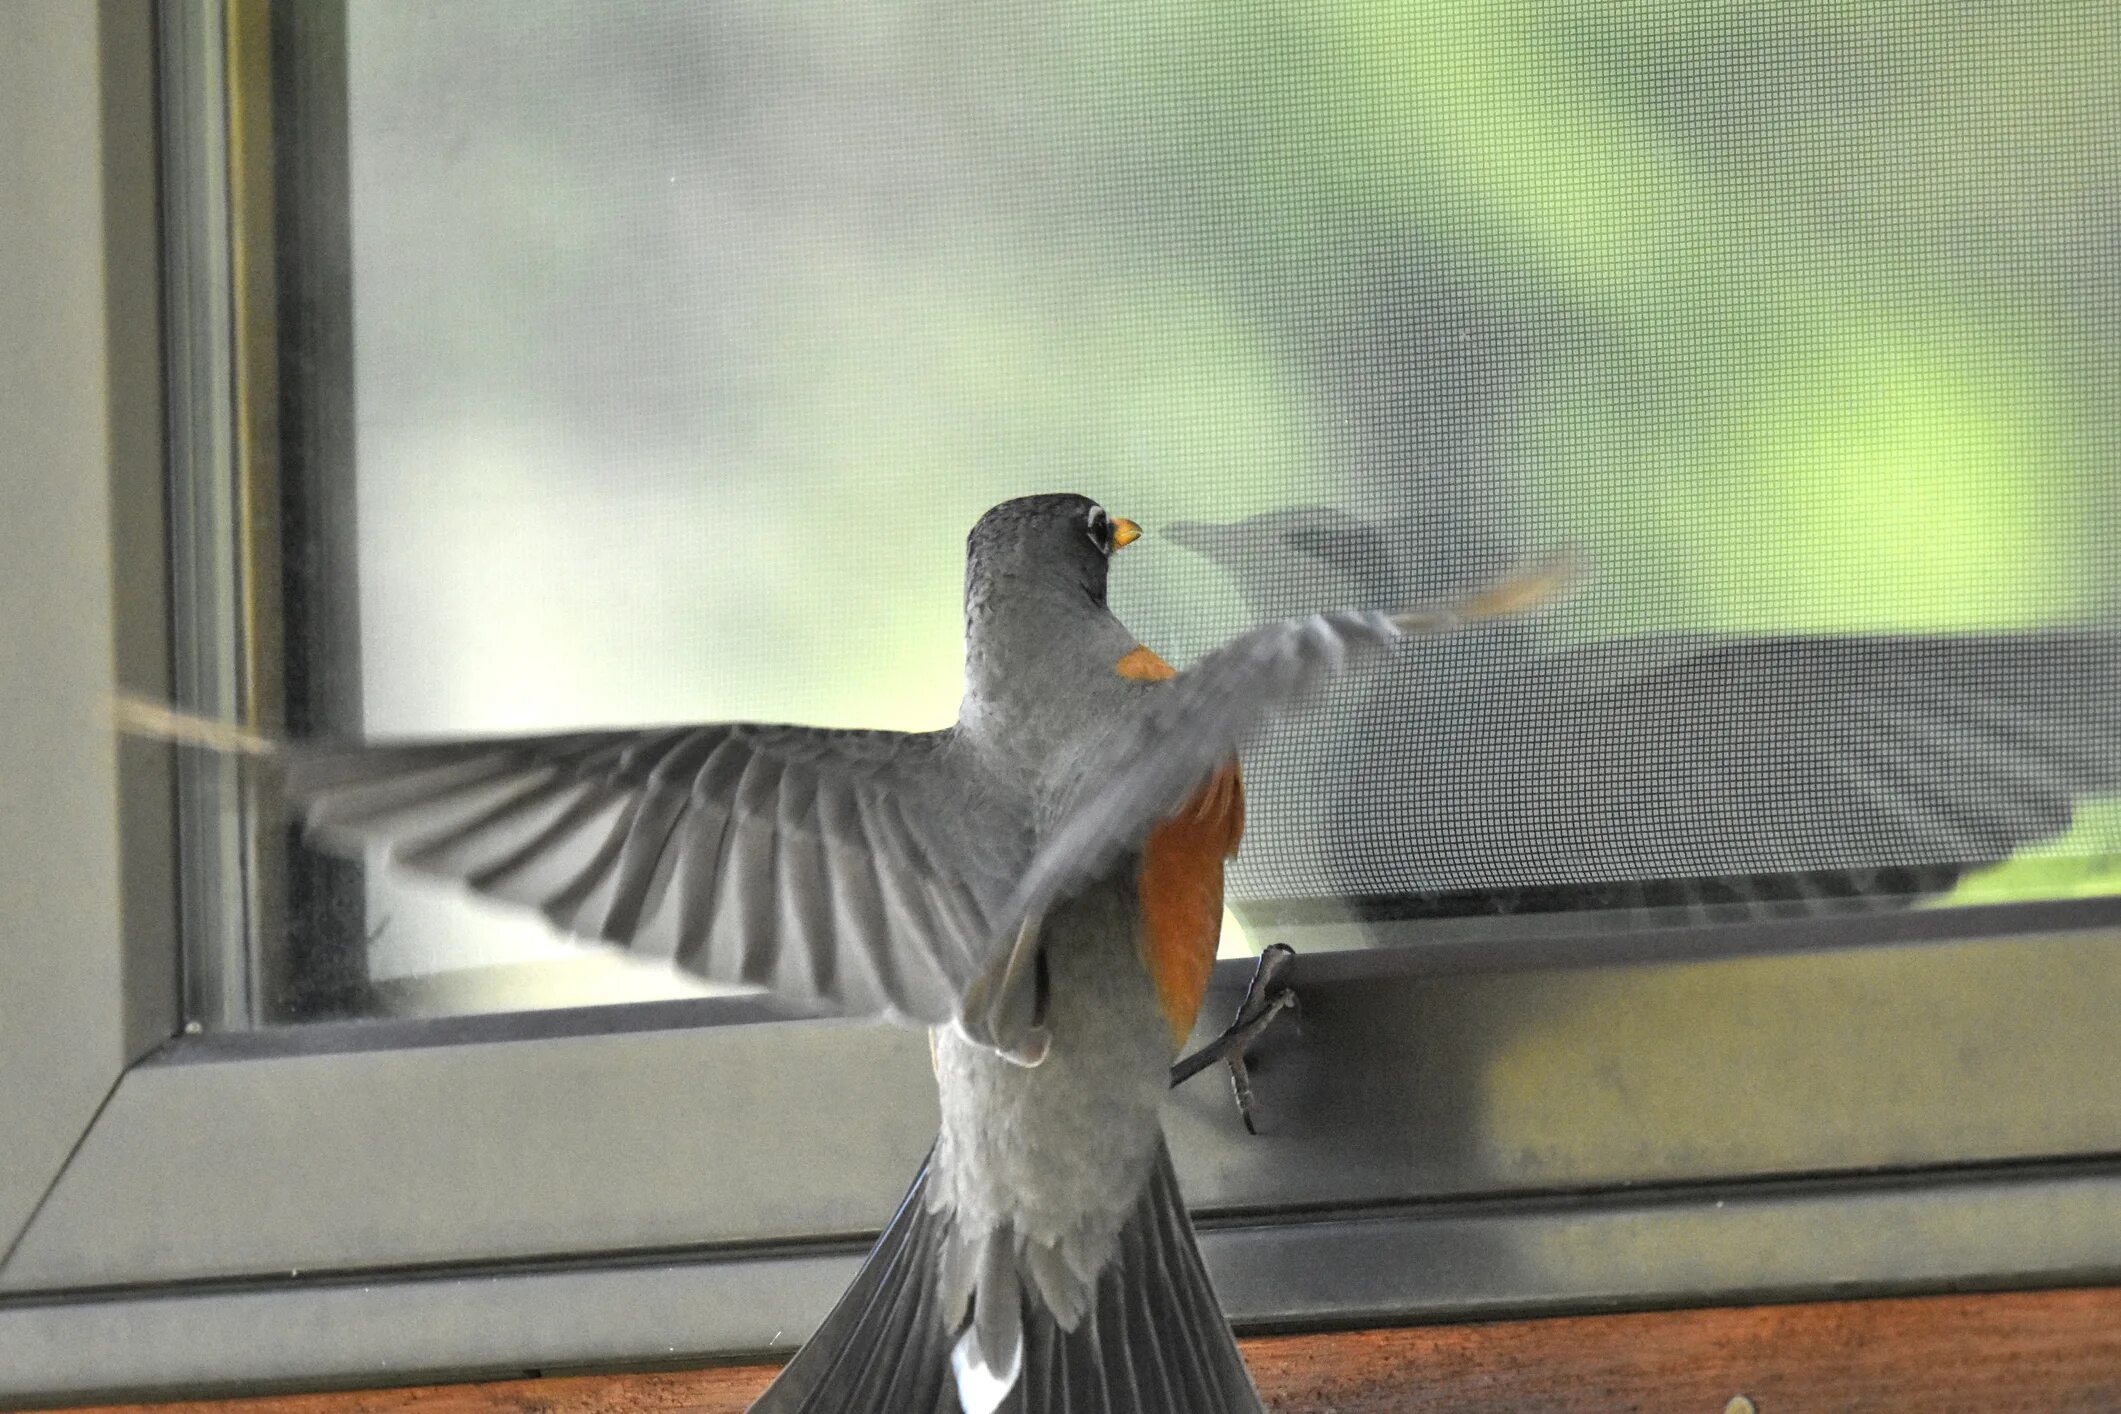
(886, 1344)
(1154, 1340)
(1148, 1374)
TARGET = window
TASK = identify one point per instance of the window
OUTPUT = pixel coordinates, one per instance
(532, 365)
(650, 366)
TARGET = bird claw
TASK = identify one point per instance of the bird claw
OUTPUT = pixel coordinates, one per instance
(1266, 997)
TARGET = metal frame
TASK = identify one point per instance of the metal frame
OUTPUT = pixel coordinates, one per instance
(257, 266)
(1911, 1102)
(217, 665)
(1446, 1261)
(88, 967)
(498, 1194)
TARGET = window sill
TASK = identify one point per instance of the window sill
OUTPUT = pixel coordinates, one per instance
(2032, 1351)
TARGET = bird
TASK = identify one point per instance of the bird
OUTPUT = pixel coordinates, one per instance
(1725, 776)
(1039, 884)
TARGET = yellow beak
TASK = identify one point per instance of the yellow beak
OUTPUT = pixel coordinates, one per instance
(1124, 532)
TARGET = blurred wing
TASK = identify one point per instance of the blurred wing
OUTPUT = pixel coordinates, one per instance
(1765, 756)
(857, 872)
(1189, 726)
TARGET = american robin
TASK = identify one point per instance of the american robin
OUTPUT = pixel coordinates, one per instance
(1747, 775)
(1041, 884)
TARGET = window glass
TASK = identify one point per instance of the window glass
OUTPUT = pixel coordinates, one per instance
(689, 340)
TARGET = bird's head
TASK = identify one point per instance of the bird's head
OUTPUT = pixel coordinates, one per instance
(1062, 543)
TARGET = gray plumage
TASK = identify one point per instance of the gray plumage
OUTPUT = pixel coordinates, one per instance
(979, 879)
(859, 872)
(1151, 1337)
(1766, 774)
(1158, 755)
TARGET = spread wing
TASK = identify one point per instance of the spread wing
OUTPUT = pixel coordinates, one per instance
(1766, 756)
(1188, 727)
(854, 871)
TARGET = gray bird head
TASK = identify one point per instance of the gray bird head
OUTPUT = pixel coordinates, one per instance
(1044, 546)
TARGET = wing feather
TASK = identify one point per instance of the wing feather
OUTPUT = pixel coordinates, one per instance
(1715, 760)
(861, 872)
(467, 787)
(642, 877)
(746, 914)
(701, 878)
(805, 888)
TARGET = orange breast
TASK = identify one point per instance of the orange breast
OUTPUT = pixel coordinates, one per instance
(1181, 884)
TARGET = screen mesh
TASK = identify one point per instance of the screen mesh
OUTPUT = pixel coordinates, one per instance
(691, 339)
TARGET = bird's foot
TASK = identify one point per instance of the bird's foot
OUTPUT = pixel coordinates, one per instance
(1266, 997)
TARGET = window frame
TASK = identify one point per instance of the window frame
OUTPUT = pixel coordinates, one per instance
(377, 1202)
(89, 984)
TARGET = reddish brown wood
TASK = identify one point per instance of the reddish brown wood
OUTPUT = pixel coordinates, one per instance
(2041, 1352)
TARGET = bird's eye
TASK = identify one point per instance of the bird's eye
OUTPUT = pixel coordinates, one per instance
(1100, 529)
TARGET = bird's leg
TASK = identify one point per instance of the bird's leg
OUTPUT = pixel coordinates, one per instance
(1266, 997)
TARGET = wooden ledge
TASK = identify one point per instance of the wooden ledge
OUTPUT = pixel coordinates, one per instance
(2037, 1351)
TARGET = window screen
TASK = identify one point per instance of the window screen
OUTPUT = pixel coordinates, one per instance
(689, 340)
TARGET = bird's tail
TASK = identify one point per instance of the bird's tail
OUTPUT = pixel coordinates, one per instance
(1153, 1340)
